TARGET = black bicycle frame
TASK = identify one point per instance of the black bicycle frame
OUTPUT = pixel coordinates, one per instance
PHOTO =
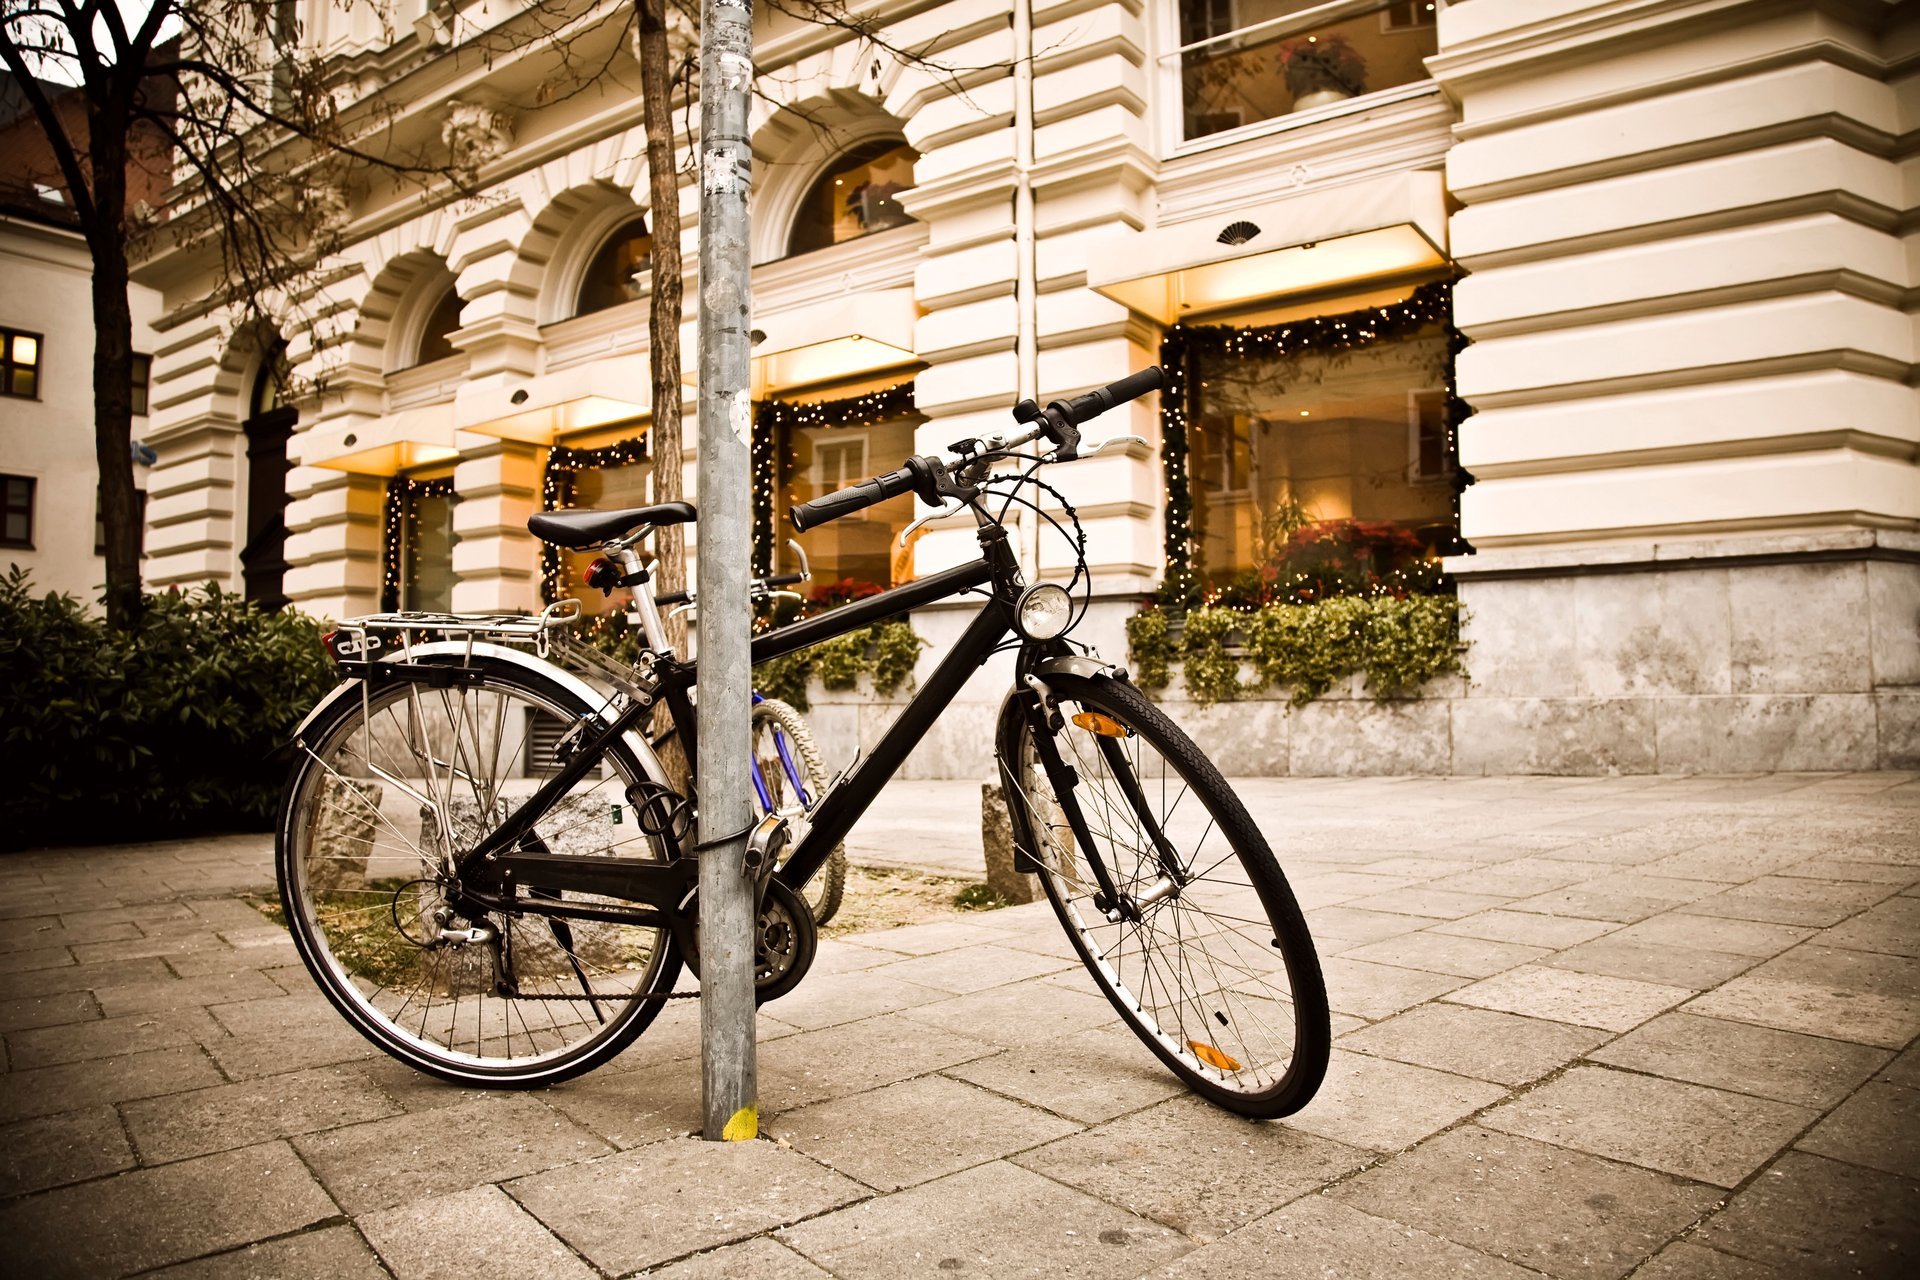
(664, 885)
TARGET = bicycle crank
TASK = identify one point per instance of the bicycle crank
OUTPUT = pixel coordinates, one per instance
(784, 941)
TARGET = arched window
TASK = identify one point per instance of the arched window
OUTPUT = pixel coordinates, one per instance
(436, 336)
(856, 196)
(613, 276)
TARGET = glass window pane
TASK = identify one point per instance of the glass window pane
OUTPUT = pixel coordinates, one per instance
(858, 195)
(26, 349)
(1320, 473)
(613, 277)
(607, 489)
(1266, 72)
(436, 339)
(142, 376)
(865, 546)
(428, 581)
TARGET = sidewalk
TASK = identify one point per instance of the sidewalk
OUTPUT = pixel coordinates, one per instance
(1586, 1028)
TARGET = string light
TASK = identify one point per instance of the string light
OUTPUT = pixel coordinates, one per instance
(556, 494)
(400, 530)
(775, 420)
(1184, 346)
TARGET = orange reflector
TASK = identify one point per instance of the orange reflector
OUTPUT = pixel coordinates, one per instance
(1212, 1056)
(1105, 726)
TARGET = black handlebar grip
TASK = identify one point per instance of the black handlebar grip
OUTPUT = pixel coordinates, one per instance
(846, 501)
(1091, 405)
(786, 579)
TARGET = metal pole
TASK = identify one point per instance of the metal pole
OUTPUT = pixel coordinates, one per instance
(729, 1089)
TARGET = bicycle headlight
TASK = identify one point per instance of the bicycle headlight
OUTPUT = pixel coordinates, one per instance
(1044, 611)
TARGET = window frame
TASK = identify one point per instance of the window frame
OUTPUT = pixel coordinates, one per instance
(7, 509)
(828, 167)
(8, 366)
(614, 234)
(142, 383)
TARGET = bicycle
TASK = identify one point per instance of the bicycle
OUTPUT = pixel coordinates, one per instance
(531, 932)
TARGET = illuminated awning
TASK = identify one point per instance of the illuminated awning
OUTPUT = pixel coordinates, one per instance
(386, 446)
(539, 410)
(834, 340)
(1351, 235)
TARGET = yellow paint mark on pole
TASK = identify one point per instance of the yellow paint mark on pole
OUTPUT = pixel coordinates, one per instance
(744, 1126)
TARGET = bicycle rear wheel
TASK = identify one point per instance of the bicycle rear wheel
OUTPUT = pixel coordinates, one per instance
(790, 765)
(1194, 936)
(389, 790)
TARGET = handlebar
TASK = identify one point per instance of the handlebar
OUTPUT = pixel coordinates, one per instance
(1059, 422)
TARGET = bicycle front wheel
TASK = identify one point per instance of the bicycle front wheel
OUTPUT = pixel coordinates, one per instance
(1170, 894)
(390, 789)
(794, 774)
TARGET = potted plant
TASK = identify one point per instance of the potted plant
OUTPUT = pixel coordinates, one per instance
(1322, 69)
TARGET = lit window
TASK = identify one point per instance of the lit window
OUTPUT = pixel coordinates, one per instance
(426, 572)
(1243, 63)
(436, 338)
(1336, 465)
(603, 489)
(19, 364)
(16, 511)
(857, 195)
(865, 546)
(100, 522)
(613, 277)
(142, 376)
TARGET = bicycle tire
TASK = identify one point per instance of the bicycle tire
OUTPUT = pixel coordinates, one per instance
(823, 893)
(1193, 975)
(545, 999)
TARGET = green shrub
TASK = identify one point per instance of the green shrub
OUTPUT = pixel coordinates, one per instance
(1150, 647)
(886, 651)
(173, 727)
(1213, 674)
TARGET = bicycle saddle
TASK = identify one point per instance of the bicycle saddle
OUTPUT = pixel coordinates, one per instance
(576, 529)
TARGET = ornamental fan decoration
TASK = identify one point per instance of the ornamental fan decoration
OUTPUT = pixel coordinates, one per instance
(1237, 232)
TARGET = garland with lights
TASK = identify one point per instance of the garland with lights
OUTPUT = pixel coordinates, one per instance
(1183, 347)
(400, 532)
(556, 494)
(771, 418)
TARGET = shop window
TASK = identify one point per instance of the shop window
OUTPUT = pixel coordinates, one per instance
(142, 378)
(16, 512)
(613, 277)
(436, 338)
(862, 548)
(606, 488)
(857, 195)
(19, 364)
(1243, 61)
(1320, 471)
(100, 521)
(418, 557)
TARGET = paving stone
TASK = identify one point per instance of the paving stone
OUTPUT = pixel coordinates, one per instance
(182, 1125)
(38, 933)
(100, 1038)
(1892, 926)
(1847, 995)
(762, 1258)
(836, 955)
(1905, 1069)
(1878, 1127)
(1194, 1166)
(1594, 904)
(1585, 999)
(1379, 991)
(1528, 928)
(1815, 1218)
(27, 1012)
(1709, 933)
(1386, 1105)
(476, 1234)
(1501, 1047)
(1705, 1134)
(632, 1108)
(848, 997)
(1030, 1013)
(996, 1220)
(813, 1066)
(1809, 1070)
(1446, 953)
(946, 1125)
(80, 977)
(1563, 1212)
(1438, 904)
(168, 946)
(1653, 962)
(151, 1217)
(1792, 900)
(1315, 1238)
(161, 994)
(655, 1203)
(1898, 874)
(1351, 925)
(337, 1253)
(972, 968)
(1685, 1260)
(252, 1057)
(54, 1150)
(925, 939)
(1089, 1076)
(74, 1085)
(389, 1162)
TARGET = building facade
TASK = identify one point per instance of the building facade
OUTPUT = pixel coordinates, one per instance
(1603, 307)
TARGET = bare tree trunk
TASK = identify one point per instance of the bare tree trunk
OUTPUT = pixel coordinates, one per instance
(112, 378)
(656, 92)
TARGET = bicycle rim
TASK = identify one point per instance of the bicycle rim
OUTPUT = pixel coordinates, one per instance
(386, 798)
(1203, 951)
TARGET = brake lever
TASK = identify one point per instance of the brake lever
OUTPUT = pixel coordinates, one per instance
(1108, 443)
(936, 514)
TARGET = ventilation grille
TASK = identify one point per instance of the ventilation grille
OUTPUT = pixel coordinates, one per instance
(1237, 233)
(544, 732)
